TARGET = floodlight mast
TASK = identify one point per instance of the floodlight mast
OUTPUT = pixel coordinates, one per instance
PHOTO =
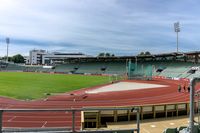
(7, 42)
(177, 30)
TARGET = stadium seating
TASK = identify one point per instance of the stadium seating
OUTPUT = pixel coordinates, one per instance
(168, 69)
(170, 130)
(182, 129)
(32, 69)
(116, 68)
(13, 67)
(196, 74)
(93, 68)
(90, 67)
(65, 68)
(174, 72)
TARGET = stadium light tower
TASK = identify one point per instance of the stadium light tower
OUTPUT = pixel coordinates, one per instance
(7, 42)
(177, 30)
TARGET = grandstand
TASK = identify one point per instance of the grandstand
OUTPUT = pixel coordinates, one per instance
(172, 70)
(171, 65)
(164, 101)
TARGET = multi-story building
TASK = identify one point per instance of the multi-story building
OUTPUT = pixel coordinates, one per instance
(27, 59)
(42, 57)
(36, 56)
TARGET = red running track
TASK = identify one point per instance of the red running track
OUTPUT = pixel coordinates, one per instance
(78, 99)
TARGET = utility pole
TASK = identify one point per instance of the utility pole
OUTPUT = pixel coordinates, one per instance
(177, 30)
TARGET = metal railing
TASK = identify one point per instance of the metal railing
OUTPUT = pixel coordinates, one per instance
(136, 109)
(193, 83)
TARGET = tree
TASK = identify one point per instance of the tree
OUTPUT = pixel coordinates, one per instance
(141, 54)
(147, 53)
(18, 58)
(107, 55)
(144, 53)
(101, 54)
(5, 58)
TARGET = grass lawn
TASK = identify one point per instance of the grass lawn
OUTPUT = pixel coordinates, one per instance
(21, 85)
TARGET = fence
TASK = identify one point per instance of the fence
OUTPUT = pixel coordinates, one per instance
(73, 120)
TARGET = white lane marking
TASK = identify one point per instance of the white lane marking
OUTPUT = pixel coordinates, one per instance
(44, 124)
(12, 118)
(171, 123)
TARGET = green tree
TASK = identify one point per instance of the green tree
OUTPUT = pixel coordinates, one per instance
(101, 55)
(5, 58)
(107, 54)
(18, 58)
(141, 54)
(147, 53)
(144, 53)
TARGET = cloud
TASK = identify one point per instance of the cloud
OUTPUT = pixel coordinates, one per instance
(123, 27)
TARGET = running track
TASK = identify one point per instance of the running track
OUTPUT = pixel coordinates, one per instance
(78, 99)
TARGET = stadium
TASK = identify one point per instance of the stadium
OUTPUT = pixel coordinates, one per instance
(99, 66)
(100, 91)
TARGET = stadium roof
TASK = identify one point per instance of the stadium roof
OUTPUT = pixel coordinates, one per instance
(164, 56)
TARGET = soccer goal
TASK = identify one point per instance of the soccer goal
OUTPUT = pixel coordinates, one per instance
(116, 78)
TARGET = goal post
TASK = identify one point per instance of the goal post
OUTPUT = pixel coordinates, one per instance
(116, 77)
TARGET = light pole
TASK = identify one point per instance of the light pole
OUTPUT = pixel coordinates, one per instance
(177, 30)
(7, 42)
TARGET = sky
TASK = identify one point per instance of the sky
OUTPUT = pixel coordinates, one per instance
(122, 27)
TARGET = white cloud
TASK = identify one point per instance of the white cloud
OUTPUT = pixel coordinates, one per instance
(90, 26)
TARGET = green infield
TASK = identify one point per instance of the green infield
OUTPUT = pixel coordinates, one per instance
(21, 85)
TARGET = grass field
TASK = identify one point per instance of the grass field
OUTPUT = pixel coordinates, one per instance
(21, 85)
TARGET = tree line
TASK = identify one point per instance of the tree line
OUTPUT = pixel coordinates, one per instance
(105, 55)
(146, 53)
(20, 59)
(16, 58)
